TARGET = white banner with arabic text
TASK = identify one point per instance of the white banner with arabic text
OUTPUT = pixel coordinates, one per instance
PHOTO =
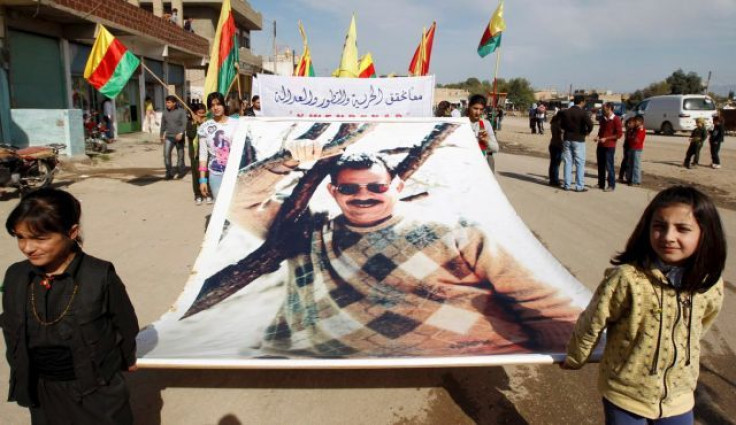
(326, 97)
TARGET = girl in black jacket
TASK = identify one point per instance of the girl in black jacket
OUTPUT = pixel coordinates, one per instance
(68, 323)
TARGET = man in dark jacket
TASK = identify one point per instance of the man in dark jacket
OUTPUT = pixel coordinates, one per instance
(255, 109)
(555, 151)
(716, 138)
(173, 126)
(576, 124)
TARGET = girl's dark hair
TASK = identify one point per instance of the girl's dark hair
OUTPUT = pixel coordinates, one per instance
(704, 267)
(216, 95)
(46, 211)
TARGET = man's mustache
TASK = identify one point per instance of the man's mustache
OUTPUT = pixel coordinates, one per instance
(364, 202)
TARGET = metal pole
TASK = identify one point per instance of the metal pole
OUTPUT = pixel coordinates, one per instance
(707, 82)
(184, 104)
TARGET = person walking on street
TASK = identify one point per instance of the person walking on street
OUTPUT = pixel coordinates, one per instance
(716, 138)
(609, 131)
(576, 125)
(555, 151)
(173, 126)
(499, 117)
(533, 118)
(482, 129)
(541, 117)
(697, 137)
(215, 139)
(200, 115)
(150, 117)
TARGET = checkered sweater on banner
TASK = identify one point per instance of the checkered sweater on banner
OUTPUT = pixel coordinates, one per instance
(406, 287)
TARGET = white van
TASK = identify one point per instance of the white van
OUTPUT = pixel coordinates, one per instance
(675, 112)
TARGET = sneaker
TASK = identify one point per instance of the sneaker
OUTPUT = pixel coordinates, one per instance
(210, 200)
(168, 176)
(585, 189)
(716, 166)
(609, 189)
(198, 200)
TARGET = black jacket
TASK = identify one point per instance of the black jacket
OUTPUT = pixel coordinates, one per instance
(102, 319)
(575, 123)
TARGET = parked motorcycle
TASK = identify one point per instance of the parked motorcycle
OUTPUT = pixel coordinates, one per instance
(28, 168)
(96, 140)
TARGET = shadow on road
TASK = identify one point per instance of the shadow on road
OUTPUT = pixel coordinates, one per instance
(479, 392)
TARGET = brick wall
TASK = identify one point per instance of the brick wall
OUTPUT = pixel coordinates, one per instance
(132, 18)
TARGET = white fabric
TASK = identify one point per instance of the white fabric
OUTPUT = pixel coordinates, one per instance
(318, 97)
(230, 333)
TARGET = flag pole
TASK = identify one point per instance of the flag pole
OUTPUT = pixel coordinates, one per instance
(494, 102)
(495, 77)
(166, 87)
(237, 77)
(230, 87)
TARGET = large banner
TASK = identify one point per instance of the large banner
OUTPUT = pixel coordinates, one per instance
(391, 246)
(324, 97)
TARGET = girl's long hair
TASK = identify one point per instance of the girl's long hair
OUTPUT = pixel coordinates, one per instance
(704, 267)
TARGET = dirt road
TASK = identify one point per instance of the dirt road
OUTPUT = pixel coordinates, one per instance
(152, 230)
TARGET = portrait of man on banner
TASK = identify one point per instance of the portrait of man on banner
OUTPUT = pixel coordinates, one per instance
(379, 251)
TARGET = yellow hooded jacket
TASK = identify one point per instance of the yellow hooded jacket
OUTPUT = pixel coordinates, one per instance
(651, 361)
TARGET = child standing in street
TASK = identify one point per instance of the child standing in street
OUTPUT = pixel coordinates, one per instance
(716, 138)
(697, 137)
(628, 136)
(657, 304)
(634, 150)
(68, 323)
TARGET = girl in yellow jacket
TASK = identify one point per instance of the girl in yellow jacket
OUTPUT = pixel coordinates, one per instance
(656, 305)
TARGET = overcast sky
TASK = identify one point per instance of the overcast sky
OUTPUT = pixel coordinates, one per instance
(619, 45)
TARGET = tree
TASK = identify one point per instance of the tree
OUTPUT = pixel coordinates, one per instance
(519, 90)
(677, 83)
(681, 83)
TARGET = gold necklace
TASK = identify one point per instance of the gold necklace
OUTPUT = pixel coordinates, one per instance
(63, 313)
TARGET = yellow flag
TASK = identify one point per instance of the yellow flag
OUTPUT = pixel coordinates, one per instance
(349, 62)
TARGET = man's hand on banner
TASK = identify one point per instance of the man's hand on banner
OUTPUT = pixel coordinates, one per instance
(302, 150)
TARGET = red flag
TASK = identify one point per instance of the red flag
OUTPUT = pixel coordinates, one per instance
(420, 62)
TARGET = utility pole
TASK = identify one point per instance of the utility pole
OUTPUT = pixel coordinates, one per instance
(707, 82)
(274, 46)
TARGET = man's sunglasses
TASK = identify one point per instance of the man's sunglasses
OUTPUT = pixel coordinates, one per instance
(353, 188)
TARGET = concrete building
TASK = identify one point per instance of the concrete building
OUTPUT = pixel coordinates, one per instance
(203, 16)
(44, 46)
(283, 64)
(457, 97)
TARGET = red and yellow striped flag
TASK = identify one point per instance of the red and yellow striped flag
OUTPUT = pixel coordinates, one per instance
(110, 64)
(224, 54)
(304, 67)
(366, 68)
(491, 39)
(420, 62)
